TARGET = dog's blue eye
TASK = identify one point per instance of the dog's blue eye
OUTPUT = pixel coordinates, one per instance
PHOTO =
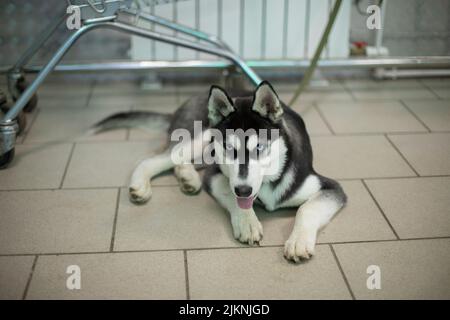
(229, 147)
(260, 147)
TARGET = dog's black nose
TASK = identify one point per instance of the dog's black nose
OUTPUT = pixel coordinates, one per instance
(243, 191)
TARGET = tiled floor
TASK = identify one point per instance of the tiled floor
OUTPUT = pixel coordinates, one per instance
(63, 202)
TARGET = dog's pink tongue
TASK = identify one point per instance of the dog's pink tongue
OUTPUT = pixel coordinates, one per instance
(245, 203)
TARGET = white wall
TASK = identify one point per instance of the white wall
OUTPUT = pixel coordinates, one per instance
(256, 29)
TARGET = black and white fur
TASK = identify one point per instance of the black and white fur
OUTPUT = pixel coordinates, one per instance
(291, 183)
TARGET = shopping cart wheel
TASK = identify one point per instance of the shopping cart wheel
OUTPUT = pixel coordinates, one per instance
(21, 86)
(21, 118)
(6, 158)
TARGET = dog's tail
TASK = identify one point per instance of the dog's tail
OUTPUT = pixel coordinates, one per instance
(147, 120)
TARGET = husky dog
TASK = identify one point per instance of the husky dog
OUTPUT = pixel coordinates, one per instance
(280, 173)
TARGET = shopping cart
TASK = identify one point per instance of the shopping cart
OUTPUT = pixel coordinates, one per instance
(96, 14)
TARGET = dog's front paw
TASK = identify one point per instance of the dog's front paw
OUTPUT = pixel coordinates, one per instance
(189, 179)
(247, 228)
(300, 246)
(140, 192)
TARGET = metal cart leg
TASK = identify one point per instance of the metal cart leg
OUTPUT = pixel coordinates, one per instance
(8, 125)
(16, 76)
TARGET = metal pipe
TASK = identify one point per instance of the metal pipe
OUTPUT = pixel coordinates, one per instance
(379, 32)
(404, 62)
(28, 93)
(411, 73)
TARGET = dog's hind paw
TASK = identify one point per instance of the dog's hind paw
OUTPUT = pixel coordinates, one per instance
(247, 229)
(140, 194)
(299, 247)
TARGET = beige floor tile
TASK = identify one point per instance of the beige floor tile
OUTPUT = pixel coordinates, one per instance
(434, 113)
(263, 273)
(313, 121)
(357, 157)
(165, 223)
(116, 88)
(318, 96)
(14, 274)
(369, 117)
(147, 135)
(319, 85)
(63, 101)
(443, 93)
(360, 220)
(150, 101)
(56, 221)
(57, 124)
(436, 83)
(414, 269)
(186, 89)
(392, 93)
(107, 164)
(166, 109)
(416, 207)
(441, 87)
(151, 275)
(162, 107)
(382, 84)
(429, 154)
(36, 166)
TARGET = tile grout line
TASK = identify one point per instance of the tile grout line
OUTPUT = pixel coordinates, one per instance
(379, 208)
(347, 283)
(186, 275)
(316, 107)
(218, 248)
(431, 90)
(116, 214)
(403, 103)
(401, 155)
(30, 276)
(67, 165)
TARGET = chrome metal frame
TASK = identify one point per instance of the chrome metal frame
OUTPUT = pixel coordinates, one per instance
(354, 63)
(214, 46)
(8, 125)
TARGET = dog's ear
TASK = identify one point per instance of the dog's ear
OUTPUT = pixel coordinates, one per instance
(266, 102)
(220, 105)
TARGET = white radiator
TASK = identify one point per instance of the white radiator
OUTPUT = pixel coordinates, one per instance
(255, 29)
